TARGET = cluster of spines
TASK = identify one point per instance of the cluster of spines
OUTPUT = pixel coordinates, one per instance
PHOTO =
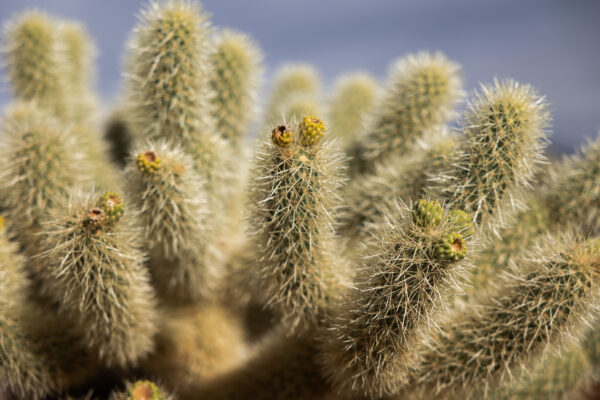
(498, 154)
(294, 196)
(237, 65)
(91, 265)
(411, 264)
(548, 297)
(422, 93)
(169, 193)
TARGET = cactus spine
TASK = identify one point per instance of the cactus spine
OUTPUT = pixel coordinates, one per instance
(504, 137)
(549, 296)
(91, 266)
(294, 198)
(168, 192)
(411, 263)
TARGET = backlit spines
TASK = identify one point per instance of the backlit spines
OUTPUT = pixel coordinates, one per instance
(353, 99)
(422, 92)
(294, 198)
(401, 292)
(39, 165)
(35, 59)
(236, 74)
(168, 74)
(92, 266)
(549, 296)
(172, 201)
(505, 133)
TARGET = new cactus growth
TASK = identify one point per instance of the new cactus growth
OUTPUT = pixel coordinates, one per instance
(91, 266)
(410, 265)
(142, 390)
(294, 197)
(549, 296)
(504, 137)
(172, 201)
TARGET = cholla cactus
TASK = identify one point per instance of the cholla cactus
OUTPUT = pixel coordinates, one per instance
(294, 198)
(353, 99)
(91, 265)
(504, 137)
(548, 297)
(237, 66)
(35, 58)
(574, 192)
(39, 166)
(295, 89)
(410, 266)
(168, 74)
(422, 93)
(172, 201)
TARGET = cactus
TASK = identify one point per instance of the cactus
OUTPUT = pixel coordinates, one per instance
(504, 137)
(91, 266)
(170, 196)
(295, 90)
(353, 99)
(36, 61)
(410, 265)
(549, 296)
(39, 166)
(422, 93)
(294, 196)
(168, 74)
(235, 80)
(574, 191)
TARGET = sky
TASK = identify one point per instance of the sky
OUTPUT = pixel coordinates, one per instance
(553, 45)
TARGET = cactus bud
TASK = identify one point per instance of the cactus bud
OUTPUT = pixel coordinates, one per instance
(113, 206)
(311, 130)
(282, 135)
(148, 162)
(427, 212)
(451, 247)
(463, 222)
(145, 390)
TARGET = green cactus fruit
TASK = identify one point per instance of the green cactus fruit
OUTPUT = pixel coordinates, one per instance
(112, 205)
(502, 146)
(427, 212)
(353, 99)
(141, 390)
(401, 293)
(294, 197)
(172, 200)
(548, 296)
(422, 92)
(451, 247)
(92, 267)
(39, 164)
(35, 61)
(237, 68)
(311, 130)
(282, 135)
(168, 79)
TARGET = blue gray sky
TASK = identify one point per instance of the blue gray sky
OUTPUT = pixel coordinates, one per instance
(552, 44)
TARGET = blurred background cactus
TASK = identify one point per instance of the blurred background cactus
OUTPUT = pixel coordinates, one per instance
(209, 240)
